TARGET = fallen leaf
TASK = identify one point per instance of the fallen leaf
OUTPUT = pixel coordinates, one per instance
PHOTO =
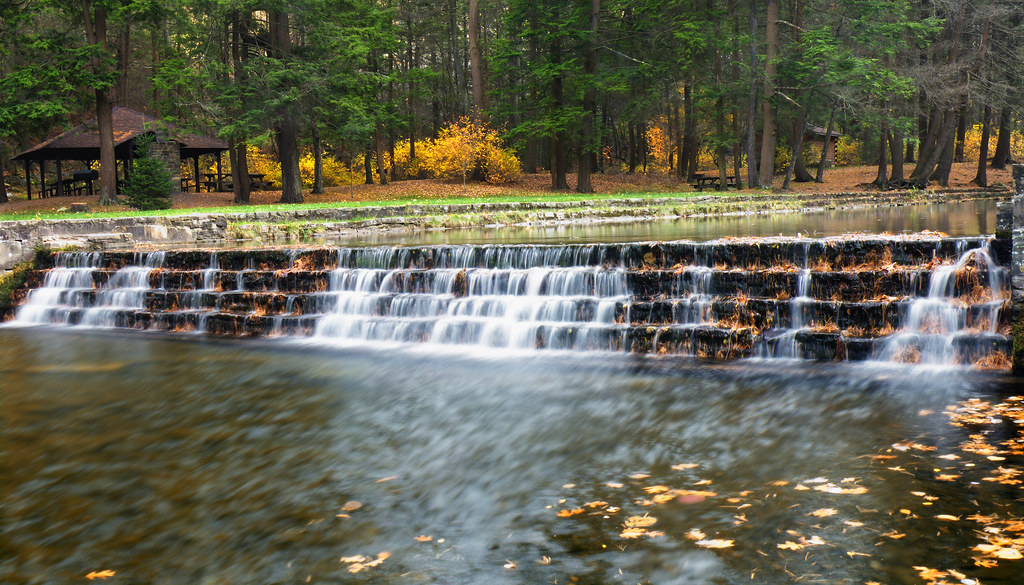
(682, 466)
(790, 545)
(695, 534)
(351, 506)
(639, 521)
(852, 553)
(656, 489)
(424, 538)
(596, 504)
(567, 513)
(544, 560)
(613, 484)
(509, 565)
(930, 574)
(948, 517)
(1009, 554)
(388, 478)
(824, 512)
(352, 559)
(640, 475)
(104, 574)
(715, 543)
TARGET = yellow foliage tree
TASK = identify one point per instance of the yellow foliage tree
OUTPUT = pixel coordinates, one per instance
(466, 148)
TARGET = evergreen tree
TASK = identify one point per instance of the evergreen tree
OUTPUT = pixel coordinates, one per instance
(149, 185)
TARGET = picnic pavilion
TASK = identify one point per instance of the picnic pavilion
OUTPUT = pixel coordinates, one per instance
(82, 145)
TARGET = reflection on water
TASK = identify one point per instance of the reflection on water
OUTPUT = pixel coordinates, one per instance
(274, 462)
(969, 218)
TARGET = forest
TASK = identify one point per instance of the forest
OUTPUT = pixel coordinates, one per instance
(383, 87)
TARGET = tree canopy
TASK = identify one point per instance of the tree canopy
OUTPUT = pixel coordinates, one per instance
(682, 86)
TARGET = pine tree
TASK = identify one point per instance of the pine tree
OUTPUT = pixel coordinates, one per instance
(149, 185)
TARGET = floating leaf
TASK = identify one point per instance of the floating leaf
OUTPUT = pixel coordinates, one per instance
(824, 512)
(104, 574)
(715, 543)
(790, 545)
(424, 538)
(351, 506)
(1009, 554)
(567, 512)
(682, 466)
(509, 565)
(639, 521)
(656, 489)
(695, 534)
(948, 517)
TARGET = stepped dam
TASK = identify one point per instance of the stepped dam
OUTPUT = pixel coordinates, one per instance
(912, 299)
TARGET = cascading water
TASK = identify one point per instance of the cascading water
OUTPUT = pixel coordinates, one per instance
(924, 299)
(963, 298)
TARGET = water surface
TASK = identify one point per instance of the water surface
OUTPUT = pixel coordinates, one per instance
(276, 461)
(969, 218)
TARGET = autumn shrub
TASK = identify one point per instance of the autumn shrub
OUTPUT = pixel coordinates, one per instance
(848, 152)
(467, 149)
(972, 143)
(406, 168)
(783, 155)
(335, 172)
(659, 149)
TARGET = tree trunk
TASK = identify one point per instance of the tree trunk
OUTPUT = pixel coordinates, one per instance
(945, 165)
(690, 144)
(378, 144)
(368, 167)
(286, 128)
(476, 58)
(820, 176)
(981, 179)
(3, 174)
(896, 155)
(318, 162)
(767, 167)
(961, 134)
(882, 178)
(239, 155)
(1002, 154)
(751, 141)
(96, 34)
(239, 172)
(929, 159)
(287, 133)
(632, 148)
(584, 159)
(798, 148)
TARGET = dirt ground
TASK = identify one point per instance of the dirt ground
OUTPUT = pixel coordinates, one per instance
(838, 180)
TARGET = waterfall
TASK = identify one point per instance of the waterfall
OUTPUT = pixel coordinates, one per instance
(917, 299)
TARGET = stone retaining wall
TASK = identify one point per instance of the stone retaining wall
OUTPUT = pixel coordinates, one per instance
(19, 239)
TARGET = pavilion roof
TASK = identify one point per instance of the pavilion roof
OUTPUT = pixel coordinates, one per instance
(83, 141)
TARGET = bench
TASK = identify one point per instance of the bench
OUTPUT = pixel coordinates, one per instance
(702, 180)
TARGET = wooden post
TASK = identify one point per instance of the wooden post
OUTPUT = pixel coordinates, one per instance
(220, 183)
(42, 179)
(60, 179)
(195, 170)
(28, 178)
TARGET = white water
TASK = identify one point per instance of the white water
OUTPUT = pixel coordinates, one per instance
(932, 324)
(510, 297)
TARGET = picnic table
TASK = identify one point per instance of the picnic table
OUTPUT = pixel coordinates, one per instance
(702, 180)
(223, 182)
(80, 183)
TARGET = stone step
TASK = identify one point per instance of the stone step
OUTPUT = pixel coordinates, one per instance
(745, 253)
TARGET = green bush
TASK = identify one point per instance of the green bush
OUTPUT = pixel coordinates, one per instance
(149, 185)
